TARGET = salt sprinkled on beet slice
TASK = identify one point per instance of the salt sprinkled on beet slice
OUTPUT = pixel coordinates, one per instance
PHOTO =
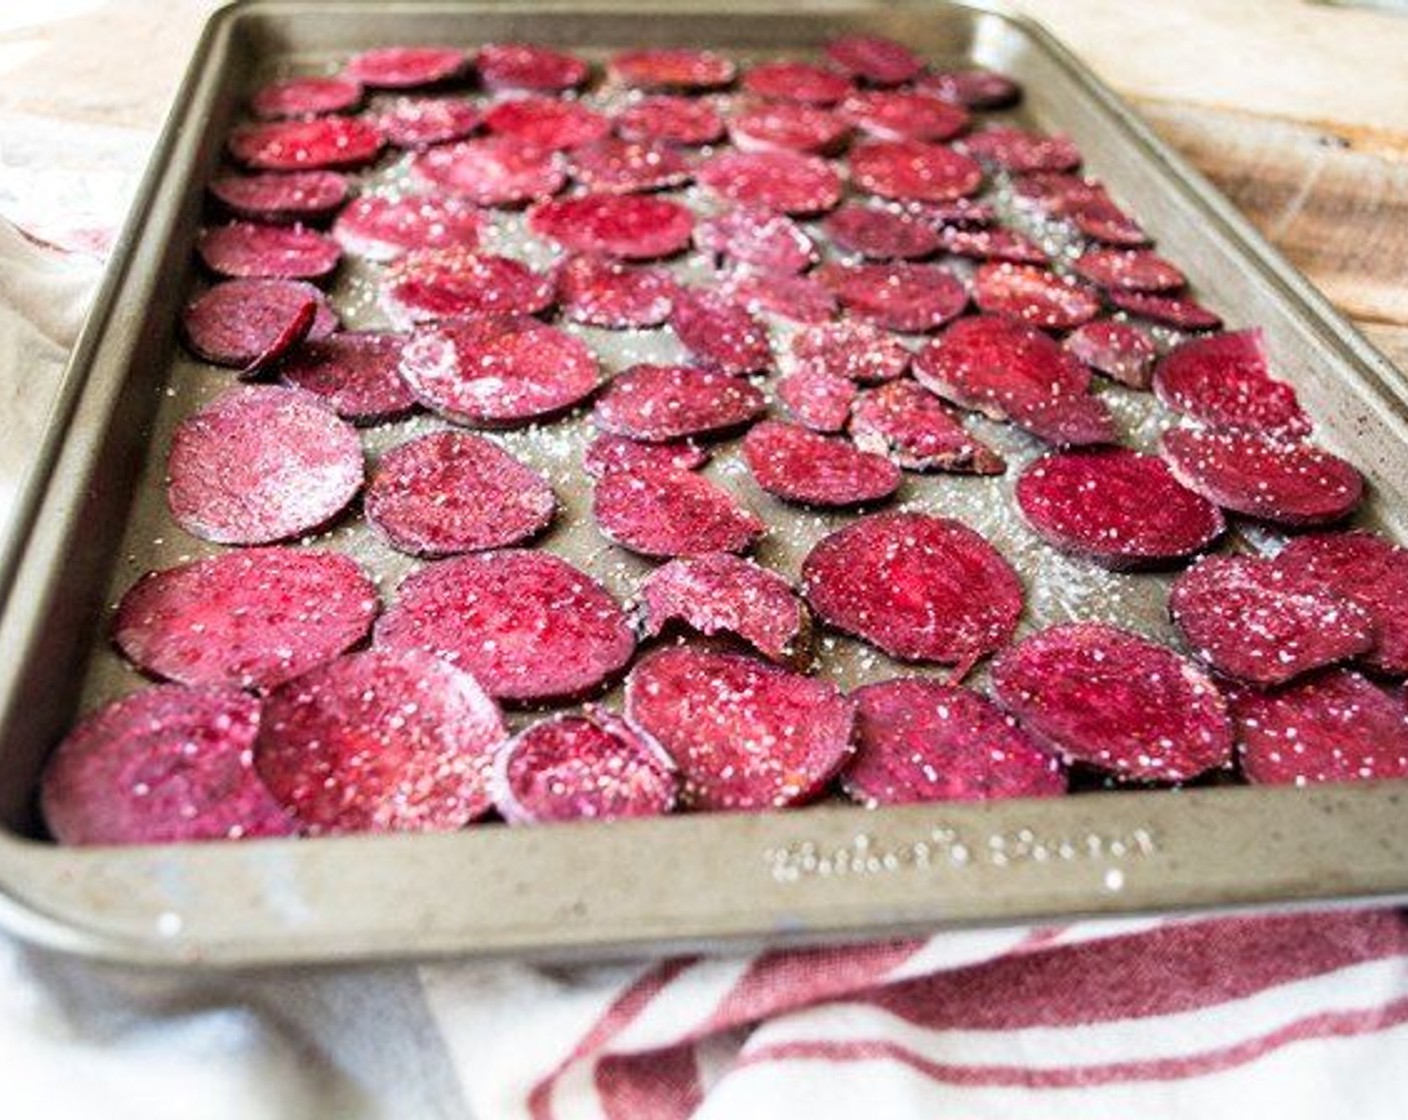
(609, 452)
(956, 213)
(818, 400)
(913, 171)
(798, 465)
(803, 299)
(856, 350)
(493, 171)
(1103, 221)
(1020, 152)
(380, 741)
(432, 284)
(298, 196)
(919, 740)
(305, 97)
(874, 59)
(915, 431)
(381, 229)
(883, 235)
(415, 123)
(543, 122)
(973, 89)
(670, 120)
(676, 68)
(499, 370)
(632, 227)
(719, 333)
(787, 126)
(720, 593)
(356, 373)
(1225, 381)
(902, 296)
(606, 293)
(529, 66)
(996, 244)
(451, 492)
(1034, 294)
(248, 619)
(785, 181)
(745, 734)
(1118, 507)
(404, 67)
(259, 464)
(163, 765)
(1182, 312)
(1120, 351)
(920, 588)
(241, 323)
(1262, 623)
(661, 403)
(804, 82)
(1261, 476)
(528, 625)
(614, 166)
(1132, 270)
(888, 115)
(1058, 193)
(306, 145)
(591, 766)
(672, 513)
(252, 251)
(773, 242)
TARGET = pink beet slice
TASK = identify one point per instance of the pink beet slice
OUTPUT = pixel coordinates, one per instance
(591, 766)
(903, 297)
(432, 284)
(804, 82)
(606, 293)
(248, 324)
(996, 244)
(305, 97)
(1102, 696)
(818, 400)
(658, 404)
(882, 235)
(891, 115)
(672, 68)
(1262, 623)
(609, 452)
(1118, 507)
(249, 250)
(803, 299)
(612, 166)
(772, 242)
(542, 122)
(798, 465)
(920, 588)
(719, 593)
(416, 123)
(631, 227)
(321, 143)
(380, 229)
(493, 171)
(356, 373)
(529, 66)
(404, 67)
(787, 126)
(856, 350)
(1182, 312)
(719, 333)
(745, 734)
(259, 464)
(380, 741)
(672, 513)
(874, 59)
(915, 431)
(670, 120)
(528, 625)
(956, 213)
(1336, 726)
(498, 371)
(248, 619)
(164, 765)
(1101, 220)
(788, 182)
(1059, 193)
(1131, 270)
(299, 196)
(1035, 295)
(1225, 382)
(1020, 152)
(1261, 476)
(1120, 351)
(973, 88)
(913, 171)
(919, 740)
(451, 492)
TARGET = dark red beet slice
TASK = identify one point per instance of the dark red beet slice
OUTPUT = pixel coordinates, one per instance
(672, 513)
(903, 297)
(591, 766)
(852, 349)
(497, 371)
(804, 82)
(671, 120)
(1120, 351)
(243, 323)
(874, 59)
(1018, 151)
(913, 171)
(1264, 477)
(356, 373)
(609, 452)
(888, 115)
(380, 742)
(722, 594)
(164, 765)
(439, 283)
(627, 226)
(745, 734)
(1115, 506)
(248, 619)
(1182, 312)
(913, 428)
(404, 67)
(1224, 381)
(607, 293)
(920, 588)
(1114, 700)
(786, 181)
(973, 89)
(259, 464)
(528, 625)
(306, 97)
(773, 242)
(802, 299)
(415, 123)
(252, 251)
(919, 740)
(614, 166)
(1059, 193)
(882, 235)
(306, 145)
(1132, 270)
(672, 68)
(294, 333)
(956, 213)
(1333, 727)
(380, 229)
(542, 122)
(662, 403)
(529, 66)
(789, 127)
(719, 333)
(300, 196)
(992, 245)
(1259, 622)
(451, 492)
(1034, 294)
(494, 171)
(819, 400)
(1103, 221)
(798, 465)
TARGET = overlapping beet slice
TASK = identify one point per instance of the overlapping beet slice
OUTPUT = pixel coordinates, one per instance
(254, 251)
(613, 166)
(250, 324)
(758, 237)
(1120, 351)
(306, 97)
(322, 143)
(1225, 381)
(787, 126)
(493, 171)
(631, 227)
(672, 513)
(1131, 270)
(356, 373)
(798, 465)
(874, 59)
(671, 120)
(1035, 295)
(901, 296)
(608, 452)
(992, 244)
(433, 284)
(788, 182)
(1182, 312)
(658, 403)
(607, 293)
(818, 400)
(914, 171)
(404, 67)
(672, 68)
(805, 82)
(803, 299)
(851, 348)
(416, 123)
(1103, 221)
(1020, 152)
(529, 66)
(957, 213)
(911, 426)
(719, 333)
(974, 88)
(880, 234)
(382, 229)
(298, 196)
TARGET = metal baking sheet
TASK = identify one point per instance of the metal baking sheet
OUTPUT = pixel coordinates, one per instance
(96, 519)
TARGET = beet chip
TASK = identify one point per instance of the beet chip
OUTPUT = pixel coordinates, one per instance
(382, 230)
(404, 67)
(356, 373)
(305, 97)
(912, 171)
(786, 126)
(915, 431)
(1175, 311)
(416, 123)
(888, 115)
(852, 349)
(250, 250)
(882, 235)
(1021, 152)
(1131, 270)
(657, 404)
(803, 299)
(973, 89)
(1120, 351)
(785, 181)
(248, 324)
(631, 227)
(745, 734)
(1035, 295)
(609, 452)
(432, 284)
(541, 122)
(322, 143)
(614, 166)
(1225, 381)
(528, 66)
(607, 293)
(992, 245)
(672, 513)
(874, 59)
(1104, 221)
(672, 68)
(819, 400)
(670, 120)
(773, 242)
(798, 465)
(299, 196)
(719, 333)
(804, 82)
(903, 297)
(493, 171)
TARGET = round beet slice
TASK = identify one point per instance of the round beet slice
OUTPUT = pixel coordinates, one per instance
(745, 734)
(855, 350)
(789, 182)
(903, 297)
(529, 66)
(973, 89)
(659, 512)
(676, 68)
(541, 122)
(380, 741)
(1059, 193)
(164, 765)
(613, 166)
(882, 235)
(1181, 312)
(798, 465)
(1120, 351)
(803, 299)
(1259, 622)
(919, 740)
(804, 82)
(1131, 270)
(662, 403)
(306, 97)
(432, 284)
(609, 452)
(786, 126)
(1114, 700)
(719, 333)
(957, 213)
(498, 370)
(1101, 220)
(322, 143)
(773, 242)
(248, 619)
(1034, 294)
(356, 373)
(631, 226)
(1118, 507)
(493, 171)
(1020, 152)
(1225, 381)
(997, 244)
(451, 492)
(874, 59)
(381, 229)
(913, 171)
(719, 593)
(671, 120)
(889, 115)
(607, 293)
(404, 67)
(246, 324)
(253, 251)
(528, 625)
(299, 196)
(911, 426)
(920, 588)
(818, 400)
(416, 123)
(591, 766)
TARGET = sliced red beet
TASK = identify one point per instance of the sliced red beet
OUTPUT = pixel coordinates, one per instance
(404, 67)
(745, 734)
(499, 370)
(1131, 270)
(798, 465)
(852, 349)
(956, 213)
(246, 324)
(888, 115)
(973, 89)
(1120, 351)
(591, 766)
(770, 241)
(529, 66)
(672, 513)
(786, 126)
(542, 122)
(919, 740)
(1103, 221)
(874, 59)
(433, 284)
(451, 492)
(903, 297)
(671, 120)
(803, 299)
(259, 464)
(164, 765)
(1059, 193)
(1271, 479)
(719, 333)
(1114, 700)
(356, 373)
(672, 68)
(912, 171)
(299, 196)
(658, 404)
(997, 244)
(415, 123)
(720, 593)
(322, 143)
(920, 588)
(528, 625)
(818, 400)
(380, 229)
(1262, 623)
(804, 82)
(380, 742)
(494, 171)
(632, 227)
(914, 430)
(1182, 312)
(785, 181)
(1225, 381)
(1036, 295)
(253, 251)
(614, 166)
(880, 234)
(1021, 152)
(306, 97)
(1115, 506)
(607, 293)
(609, 452)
